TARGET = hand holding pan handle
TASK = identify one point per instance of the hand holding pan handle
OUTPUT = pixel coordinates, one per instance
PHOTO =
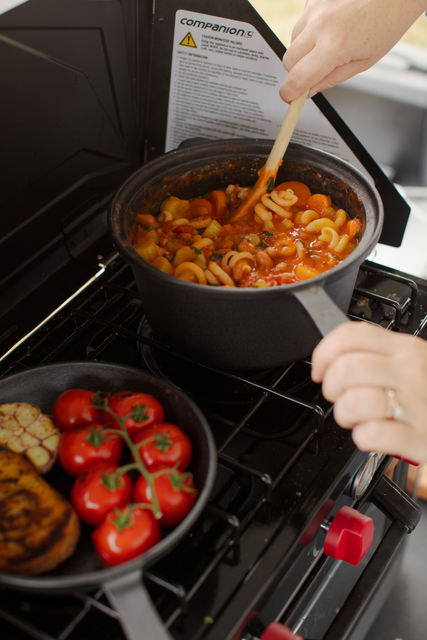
(325, 314)
(138, 618)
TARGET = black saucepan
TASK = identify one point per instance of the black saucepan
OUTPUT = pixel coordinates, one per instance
(84, 571)
(243, 328)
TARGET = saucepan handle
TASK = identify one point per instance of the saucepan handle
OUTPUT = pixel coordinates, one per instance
(138, 616)
(325, 314)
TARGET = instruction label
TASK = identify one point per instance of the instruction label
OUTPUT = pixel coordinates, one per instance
(225, 82)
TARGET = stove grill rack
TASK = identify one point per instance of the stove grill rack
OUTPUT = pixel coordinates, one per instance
(92, 302)
(108, 307)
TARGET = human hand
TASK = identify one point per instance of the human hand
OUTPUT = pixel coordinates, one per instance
(356, 364)
(336, 39)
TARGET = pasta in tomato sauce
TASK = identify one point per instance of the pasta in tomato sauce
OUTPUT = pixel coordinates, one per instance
(293, 235)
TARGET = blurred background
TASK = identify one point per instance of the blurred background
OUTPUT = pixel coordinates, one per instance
(385, 106)
(282, 15)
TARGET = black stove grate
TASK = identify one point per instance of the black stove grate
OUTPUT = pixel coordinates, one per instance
(276, 459)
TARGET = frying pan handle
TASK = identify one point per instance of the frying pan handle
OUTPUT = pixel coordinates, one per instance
(138, 616)
(325, 314)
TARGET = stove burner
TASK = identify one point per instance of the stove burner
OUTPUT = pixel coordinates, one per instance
(197, 381)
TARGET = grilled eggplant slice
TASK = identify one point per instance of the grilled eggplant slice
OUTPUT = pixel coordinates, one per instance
(39, 528)
(26, 430)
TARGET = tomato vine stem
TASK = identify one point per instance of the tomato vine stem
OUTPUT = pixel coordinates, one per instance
(134, 449)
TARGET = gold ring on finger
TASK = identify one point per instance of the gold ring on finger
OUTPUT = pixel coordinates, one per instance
(394, 411)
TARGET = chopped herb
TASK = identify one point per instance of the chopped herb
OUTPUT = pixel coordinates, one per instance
(358, 235)
(196, 250)
(270, 185)
(144, 228)
(263, 245)
(208, 620)
(268, 234)
(217, 256)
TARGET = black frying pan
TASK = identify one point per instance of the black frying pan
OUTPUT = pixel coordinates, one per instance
(84, 571)
(243, 328)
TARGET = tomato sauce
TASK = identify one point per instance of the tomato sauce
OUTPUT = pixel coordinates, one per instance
(292, 235)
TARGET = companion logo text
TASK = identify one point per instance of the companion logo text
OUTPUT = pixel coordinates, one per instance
(219, 28)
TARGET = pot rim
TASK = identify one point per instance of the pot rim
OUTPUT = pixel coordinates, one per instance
(221, 147)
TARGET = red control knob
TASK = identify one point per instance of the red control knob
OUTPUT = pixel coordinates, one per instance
(349, 536)
(414, 464)
(277, 631)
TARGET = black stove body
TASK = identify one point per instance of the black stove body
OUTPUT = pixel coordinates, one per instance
(284, 467)
(84, 111)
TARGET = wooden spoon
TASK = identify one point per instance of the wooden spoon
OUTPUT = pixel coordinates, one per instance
(274, 160)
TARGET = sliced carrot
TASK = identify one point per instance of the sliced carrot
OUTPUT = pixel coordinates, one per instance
(299, 188)
(200, 211)
(199, 206)
(218, 201)
(353, 226)
(304, 273)
(319, 202)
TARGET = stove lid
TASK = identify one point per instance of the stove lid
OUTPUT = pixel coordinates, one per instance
(85, 91)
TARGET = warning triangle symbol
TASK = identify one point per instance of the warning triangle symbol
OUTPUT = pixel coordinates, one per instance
(188, 41)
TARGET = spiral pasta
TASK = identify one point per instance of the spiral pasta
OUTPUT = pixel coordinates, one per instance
(330, 236)
(192, 268)
(292, 235)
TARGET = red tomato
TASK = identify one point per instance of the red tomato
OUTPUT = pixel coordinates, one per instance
(184, 228)
(171, 446)
(145, 410)
(81, 448)
(95, 494)
(175, 492)
(74, 408)
(125, 533)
